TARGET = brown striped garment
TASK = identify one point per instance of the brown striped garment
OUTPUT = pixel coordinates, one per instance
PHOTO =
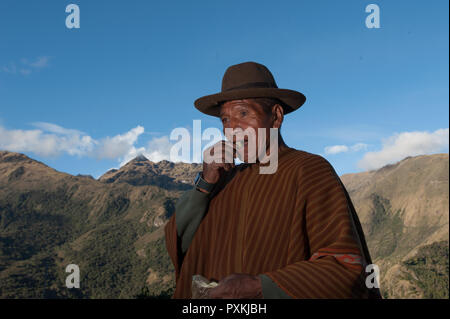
(297, 226)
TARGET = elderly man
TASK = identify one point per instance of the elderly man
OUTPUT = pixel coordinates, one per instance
(290, 234)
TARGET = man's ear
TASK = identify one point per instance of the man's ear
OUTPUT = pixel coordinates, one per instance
(277, 116)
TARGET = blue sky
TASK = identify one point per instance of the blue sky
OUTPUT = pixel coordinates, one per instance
(86, 100)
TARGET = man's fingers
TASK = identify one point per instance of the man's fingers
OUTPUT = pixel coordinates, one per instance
(227, 167)
(229, 153)
(215, 293)
(219, 156)
(231, 147)
(220, 148)
(222, 158)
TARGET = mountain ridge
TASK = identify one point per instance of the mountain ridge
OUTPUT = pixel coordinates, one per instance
(49, 219)
(403, 208)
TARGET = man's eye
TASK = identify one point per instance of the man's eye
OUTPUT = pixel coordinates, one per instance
(243, 113)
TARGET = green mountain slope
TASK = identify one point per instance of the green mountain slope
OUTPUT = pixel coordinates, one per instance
(112, 231)
(404, 211)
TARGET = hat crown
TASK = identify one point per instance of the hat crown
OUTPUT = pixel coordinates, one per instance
(247, 75)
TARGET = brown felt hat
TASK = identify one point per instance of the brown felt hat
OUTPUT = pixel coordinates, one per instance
(249, 80)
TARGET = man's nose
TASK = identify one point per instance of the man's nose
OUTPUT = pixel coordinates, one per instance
(233, 125)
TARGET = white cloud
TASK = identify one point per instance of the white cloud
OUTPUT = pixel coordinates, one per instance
(359, 147)
(26, 67)
(10, 68)
(118, 146)
(336, 149)
(401, 145)
(41, 62)
(45, 144)
(51, 140)
(157, 149)
(54, 128)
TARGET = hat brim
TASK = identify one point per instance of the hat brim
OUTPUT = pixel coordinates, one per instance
(209, 104)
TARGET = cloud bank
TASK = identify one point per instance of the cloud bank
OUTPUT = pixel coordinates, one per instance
(48, 140)
(52, 140)
(401, 145)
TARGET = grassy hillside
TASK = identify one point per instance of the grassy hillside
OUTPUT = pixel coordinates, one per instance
(112, 231)
(404, 211)
(429, 270)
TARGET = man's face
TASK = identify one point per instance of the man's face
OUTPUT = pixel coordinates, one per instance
(243, 114)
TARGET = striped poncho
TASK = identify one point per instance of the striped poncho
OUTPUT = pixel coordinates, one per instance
(297, 226)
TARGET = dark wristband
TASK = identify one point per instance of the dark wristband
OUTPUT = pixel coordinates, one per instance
(200, 183)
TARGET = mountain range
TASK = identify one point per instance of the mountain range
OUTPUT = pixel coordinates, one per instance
(113, 227)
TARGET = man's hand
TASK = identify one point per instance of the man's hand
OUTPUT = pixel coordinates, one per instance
(237, 286)
(214, 164)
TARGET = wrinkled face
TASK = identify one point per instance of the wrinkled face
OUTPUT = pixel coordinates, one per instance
(246, 114)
